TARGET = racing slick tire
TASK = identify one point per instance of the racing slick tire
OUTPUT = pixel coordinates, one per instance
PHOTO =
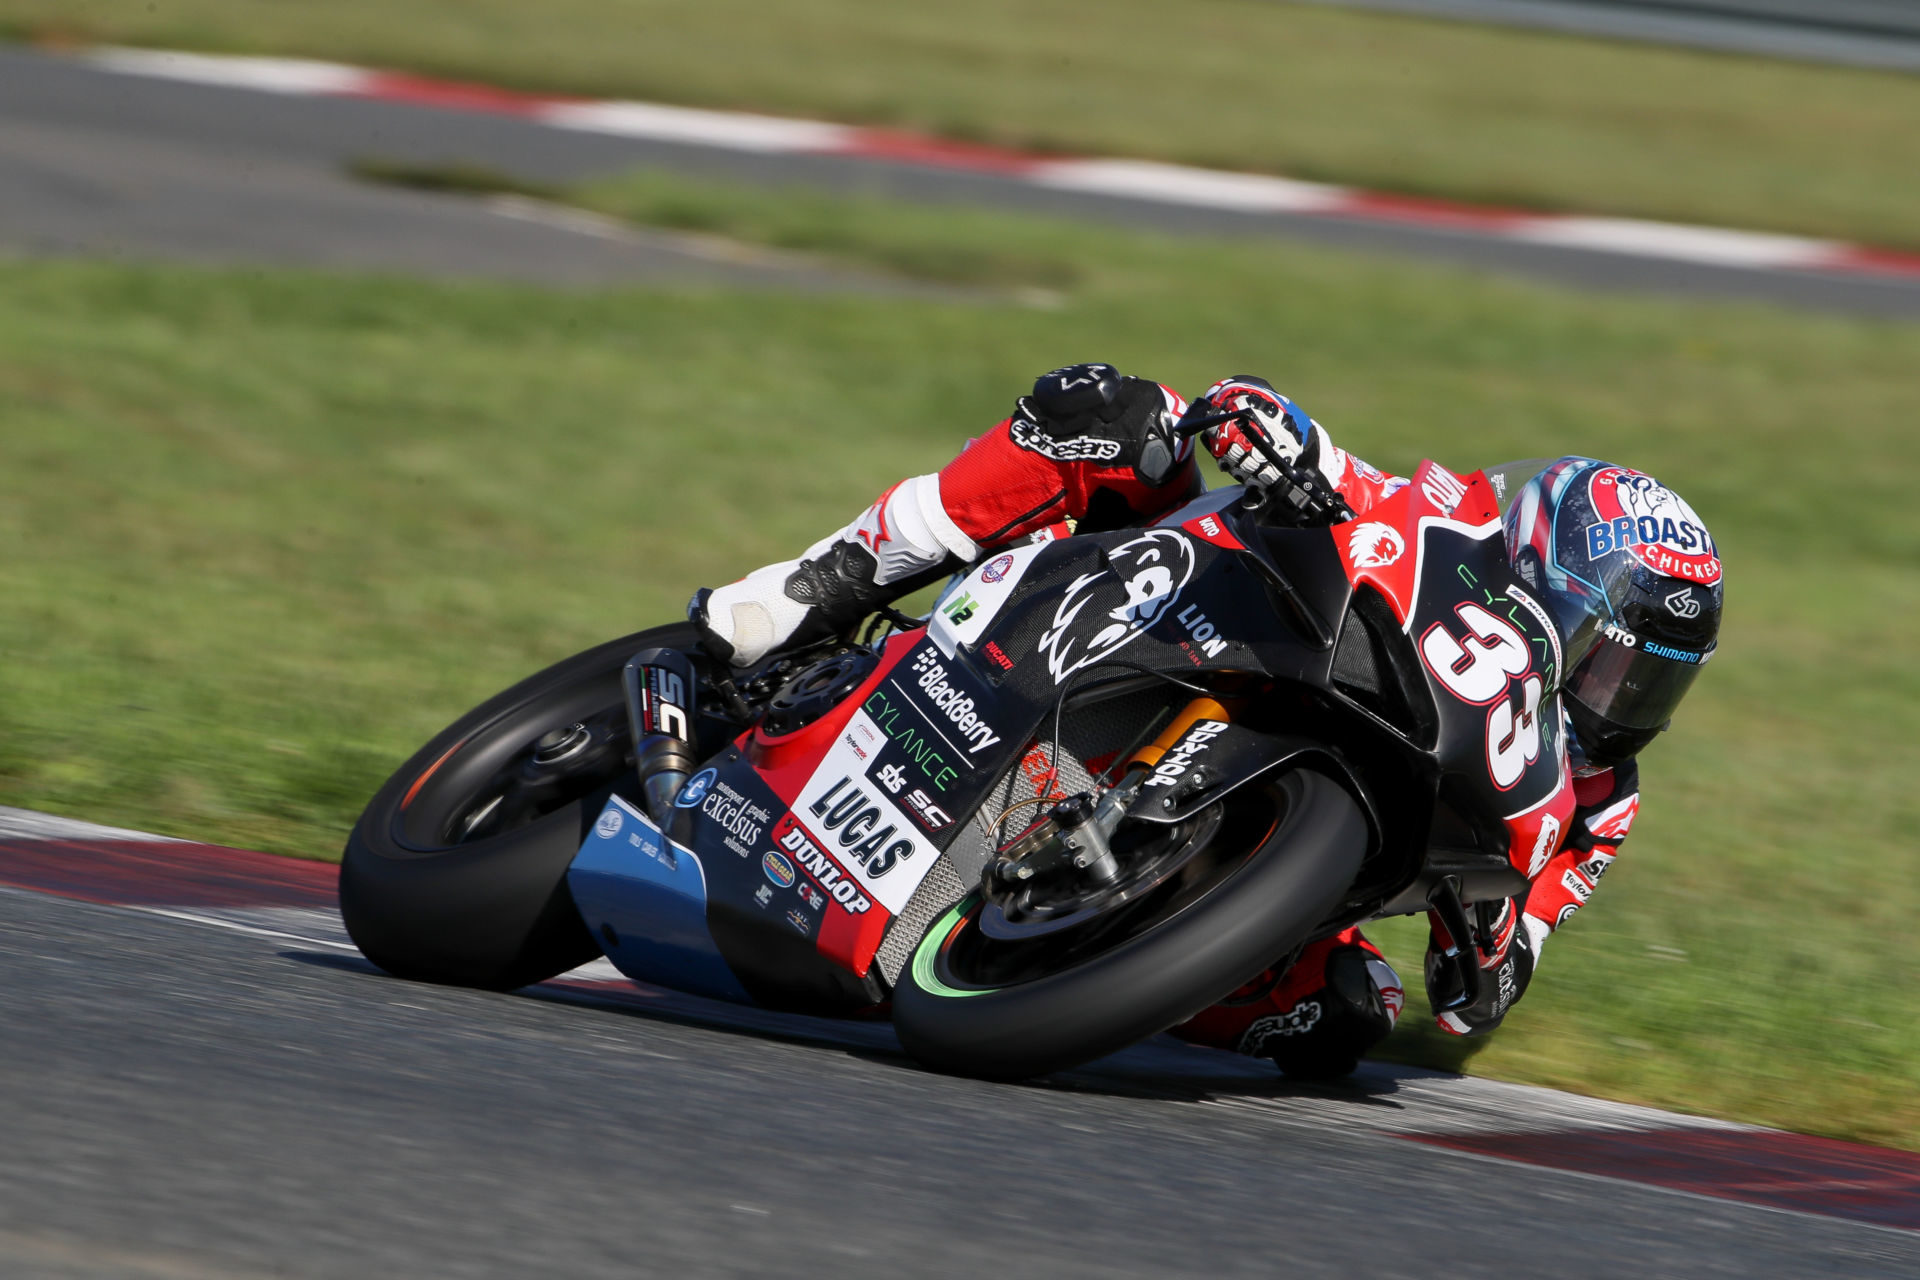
(1162, 973)
(494, 911)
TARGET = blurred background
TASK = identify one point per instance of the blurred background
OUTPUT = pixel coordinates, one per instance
(325, 413)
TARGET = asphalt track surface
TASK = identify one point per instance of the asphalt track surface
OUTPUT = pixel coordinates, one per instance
(200, 1089)
(94, 163)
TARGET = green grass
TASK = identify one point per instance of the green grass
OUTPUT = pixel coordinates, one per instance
(268, 531)
(1405, 104)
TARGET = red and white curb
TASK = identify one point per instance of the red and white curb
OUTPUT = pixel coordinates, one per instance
(1137, 180)
(292, 900)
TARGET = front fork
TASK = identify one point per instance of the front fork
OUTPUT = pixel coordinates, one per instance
(1084, 823)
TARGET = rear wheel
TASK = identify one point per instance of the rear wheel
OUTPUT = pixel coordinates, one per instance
(986, 996)
(456, 871)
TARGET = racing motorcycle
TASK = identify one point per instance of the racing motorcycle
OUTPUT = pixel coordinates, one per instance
(1108, 779)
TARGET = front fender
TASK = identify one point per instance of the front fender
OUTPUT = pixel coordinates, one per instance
(1213, 758)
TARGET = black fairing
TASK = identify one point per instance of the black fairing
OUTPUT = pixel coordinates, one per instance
(1270, 620)
(1326, 663)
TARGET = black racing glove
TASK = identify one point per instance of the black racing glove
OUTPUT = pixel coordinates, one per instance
(1090, 413)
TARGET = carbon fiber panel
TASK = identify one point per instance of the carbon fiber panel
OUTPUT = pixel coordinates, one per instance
(941, 888)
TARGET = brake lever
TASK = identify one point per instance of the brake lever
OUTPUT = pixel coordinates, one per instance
(1301, 491)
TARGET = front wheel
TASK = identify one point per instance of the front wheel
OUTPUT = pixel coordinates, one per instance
(1279, 858)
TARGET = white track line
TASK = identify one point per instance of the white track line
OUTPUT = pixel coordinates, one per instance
(1115, 178)
(27, 824)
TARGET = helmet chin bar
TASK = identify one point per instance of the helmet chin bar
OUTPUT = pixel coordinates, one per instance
(1603, 743)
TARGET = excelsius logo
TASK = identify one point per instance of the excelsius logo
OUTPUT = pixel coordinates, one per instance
(931, 675)
(734, 814)
(1103, 611)
(696, 789)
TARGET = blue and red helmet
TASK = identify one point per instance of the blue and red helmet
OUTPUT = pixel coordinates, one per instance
(1632, 578)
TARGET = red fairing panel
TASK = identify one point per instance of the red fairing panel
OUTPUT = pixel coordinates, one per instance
(1381, 543)
(1384, 549)
(851, 927)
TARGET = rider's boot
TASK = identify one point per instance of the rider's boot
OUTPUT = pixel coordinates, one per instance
(901, 542)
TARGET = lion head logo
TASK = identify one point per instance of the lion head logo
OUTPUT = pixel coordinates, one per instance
(1375, 546)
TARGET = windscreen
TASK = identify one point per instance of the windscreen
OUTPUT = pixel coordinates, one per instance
(1508, 478)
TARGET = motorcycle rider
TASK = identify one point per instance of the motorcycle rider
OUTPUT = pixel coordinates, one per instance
(1627, 569)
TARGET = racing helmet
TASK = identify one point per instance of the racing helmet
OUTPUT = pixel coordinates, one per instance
(1633, 580)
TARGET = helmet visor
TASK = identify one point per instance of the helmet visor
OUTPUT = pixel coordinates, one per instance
(1635, 686)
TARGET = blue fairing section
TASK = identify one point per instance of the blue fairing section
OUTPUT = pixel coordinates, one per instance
(653, 894)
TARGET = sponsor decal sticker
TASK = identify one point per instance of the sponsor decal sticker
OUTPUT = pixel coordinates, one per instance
(789, 835)
(1441, 487)
(1206, 637)
(962, 615)
(1681, 604)
(1038, 769)
(1375, 545)
(931, 675)
(1596, 866)
(853, 820)
(1174, 765)
(1104, 611)
(1641, 517)
(696, 789)
(1211, 528)
(1573, 884)
(778, 869)
(1509, 991)
(997, 656)
(799, 920)
(609, 824)
(1028, 435)
(1544, 845)
(928, 752)
(741, 822)
(921, 808)
(917, 802)
(1300, 1019)
(763, 895)
(959, 609)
